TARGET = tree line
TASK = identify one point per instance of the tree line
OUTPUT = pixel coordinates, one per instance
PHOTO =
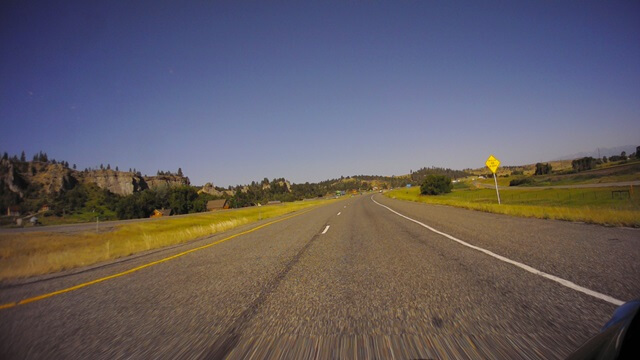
(417, 177)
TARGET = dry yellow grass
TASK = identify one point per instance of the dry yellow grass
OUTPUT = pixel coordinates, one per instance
(36, 253)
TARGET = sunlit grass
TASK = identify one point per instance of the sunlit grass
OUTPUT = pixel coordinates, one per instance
(35, 253)
(594, 205)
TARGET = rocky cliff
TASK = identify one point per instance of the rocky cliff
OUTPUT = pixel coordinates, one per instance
(160, 181)
(39, 176)
(117, 182)
(49, 178)
(208, 188)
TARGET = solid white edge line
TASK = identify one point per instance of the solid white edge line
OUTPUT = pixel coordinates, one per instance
(325, 230)
(528, 268)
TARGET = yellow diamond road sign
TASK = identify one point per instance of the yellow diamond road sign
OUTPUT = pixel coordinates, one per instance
(493, 163)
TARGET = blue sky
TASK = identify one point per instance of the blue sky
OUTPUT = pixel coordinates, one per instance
(237, 91)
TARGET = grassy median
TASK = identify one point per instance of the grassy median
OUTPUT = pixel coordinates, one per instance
(36, 253)
(615, 206)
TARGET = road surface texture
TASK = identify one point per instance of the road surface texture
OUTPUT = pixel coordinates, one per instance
(347, 280)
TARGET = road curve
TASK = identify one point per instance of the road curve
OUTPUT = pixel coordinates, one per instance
(363, 284)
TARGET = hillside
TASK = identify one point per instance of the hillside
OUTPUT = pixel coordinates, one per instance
(72, 195)
(45, 178)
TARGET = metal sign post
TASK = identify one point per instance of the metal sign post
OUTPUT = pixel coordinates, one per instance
(497, 192)
(493, 163)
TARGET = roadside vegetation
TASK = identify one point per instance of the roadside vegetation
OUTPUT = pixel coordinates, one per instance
(611, 206)
(436, 185)
(587, 170)
(528, 190)
(36, 253)
(59, 193)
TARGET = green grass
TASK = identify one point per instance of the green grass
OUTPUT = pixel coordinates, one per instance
(77, 218)
(594, 205)
(35, 253)
(607, 173)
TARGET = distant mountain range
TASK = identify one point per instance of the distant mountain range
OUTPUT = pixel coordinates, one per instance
(600, 152)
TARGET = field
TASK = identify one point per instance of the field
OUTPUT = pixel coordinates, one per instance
(35, 253)
(593, 205)
(605, 173)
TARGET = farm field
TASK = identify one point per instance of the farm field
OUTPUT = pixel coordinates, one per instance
(611, 206)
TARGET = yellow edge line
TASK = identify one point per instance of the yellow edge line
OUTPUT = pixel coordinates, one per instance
(126, 272)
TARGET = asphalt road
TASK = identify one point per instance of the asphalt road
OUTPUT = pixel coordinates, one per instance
(371, 285)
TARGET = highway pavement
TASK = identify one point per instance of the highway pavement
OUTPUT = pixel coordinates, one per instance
(366, 277)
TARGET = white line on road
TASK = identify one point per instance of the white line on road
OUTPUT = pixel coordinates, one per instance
(528, 268)
(339, 214)
(325, 230)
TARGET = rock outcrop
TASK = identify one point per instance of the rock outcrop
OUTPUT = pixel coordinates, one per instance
(117, 182)
(166, 181)
(208, 188)
(48, 178)
(285, 183)
(11, 178)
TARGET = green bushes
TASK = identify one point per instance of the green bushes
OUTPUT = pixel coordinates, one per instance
(543, 169)
(522, 181)
(436, 185)
(585, 163)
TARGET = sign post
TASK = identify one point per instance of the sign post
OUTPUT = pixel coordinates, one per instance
(493, 163)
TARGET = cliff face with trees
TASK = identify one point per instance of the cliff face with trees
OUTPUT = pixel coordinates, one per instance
(31, 184)
(114, 194)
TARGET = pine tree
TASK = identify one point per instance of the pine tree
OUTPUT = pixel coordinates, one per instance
(179, 171)
(101, 167)
(117, 168)
(74, 166)
(23, 157)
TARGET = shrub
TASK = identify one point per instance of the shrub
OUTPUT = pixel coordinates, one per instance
(543, 169)
(436, 185)
(522, 181)
(585, 163)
